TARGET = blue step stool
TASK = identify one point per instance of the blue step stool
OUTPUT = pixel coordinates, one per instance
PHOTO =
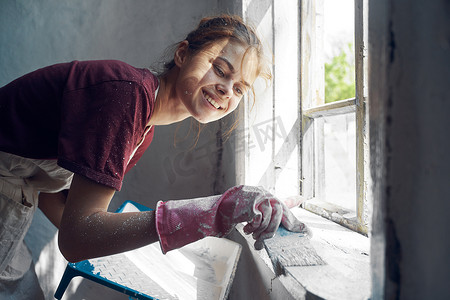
(85, 269)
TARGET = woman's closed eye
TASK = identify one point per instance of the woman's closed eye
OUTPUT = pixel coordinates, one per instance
(219, 71)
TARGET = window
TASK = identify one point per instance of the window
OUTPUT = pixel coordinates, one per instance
(302, 136)
(334, 108)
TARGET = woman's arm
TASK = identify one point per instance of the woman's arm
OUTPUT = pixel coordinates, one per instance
(87, 230)
(52, 205)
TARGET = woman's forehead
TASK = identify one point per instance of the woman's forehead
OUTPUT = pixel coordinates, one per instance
(225, 47)
(236, 56)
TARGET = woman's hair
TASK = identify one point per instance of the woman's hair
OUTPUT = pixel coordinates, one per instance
(213, 29)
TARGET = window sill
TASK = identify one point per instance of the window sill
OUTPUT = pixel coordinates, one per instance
(337, 214)
(345, 273)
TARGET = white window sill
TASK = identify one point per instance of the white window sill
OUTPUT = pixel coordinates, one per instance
(345, 273)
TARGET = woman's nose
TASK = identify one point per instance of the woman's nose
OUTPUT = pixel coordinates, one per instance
(225, 88)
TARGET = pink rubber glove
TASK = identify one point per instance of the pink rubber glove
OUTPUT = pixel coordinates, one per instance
(181, 222)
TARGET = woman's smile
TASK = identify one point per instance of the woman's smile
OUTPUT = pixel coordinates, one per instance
(212, 101)
(211, 82)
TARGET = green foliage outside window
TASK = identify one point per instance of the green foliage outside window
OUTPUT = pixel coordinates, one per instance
(340, 76)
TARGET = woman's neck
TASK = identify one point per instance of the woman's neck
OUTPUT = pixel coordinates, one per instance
(168, 107)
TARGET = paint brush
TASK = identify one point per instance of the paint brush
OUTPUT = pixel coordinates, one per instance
(289, 249)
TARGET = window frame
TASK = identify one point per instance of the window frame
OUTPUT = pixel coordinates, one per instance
(312, 96)
(286, 27)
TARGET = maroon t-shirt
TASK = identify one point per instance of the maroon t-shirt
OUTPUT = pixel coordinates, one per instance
(89, 115)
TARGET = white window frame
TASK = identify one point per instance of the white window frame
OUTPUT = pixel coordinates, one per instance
(287, 27)
(312, 97)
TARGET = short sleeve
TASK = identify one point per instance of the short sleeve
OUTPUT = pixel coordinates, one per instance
(100, 126)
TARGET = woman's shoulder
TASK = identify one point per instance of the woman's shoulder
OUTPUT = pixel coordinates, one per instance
(93, 72)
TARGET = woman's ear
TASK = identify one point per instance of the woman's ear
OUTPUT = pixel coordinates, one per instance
(181, 53)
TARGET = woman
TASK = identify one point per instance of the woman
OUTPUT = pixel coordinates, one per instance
(70, 132)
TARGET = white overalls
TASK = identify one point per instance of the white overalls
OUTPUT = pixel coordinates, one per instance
(21, 179)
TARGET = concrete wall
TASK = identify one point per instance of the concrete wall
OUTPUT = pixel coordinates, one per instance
(409, 123)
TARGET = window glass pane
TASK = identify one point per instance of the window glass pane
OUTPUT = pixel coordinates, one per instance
(339, 138)
(339, 57)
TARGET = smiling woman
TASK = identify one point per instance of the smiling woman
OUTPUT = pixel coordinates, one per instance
(217, 63)
(211, 83)
(70, 132)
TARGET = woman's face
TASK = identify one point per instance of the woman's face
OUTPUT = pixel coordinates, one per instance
(212, 82)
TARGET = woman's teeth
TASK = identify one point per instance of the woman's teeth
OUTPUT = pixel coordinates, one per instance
(213, 103)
